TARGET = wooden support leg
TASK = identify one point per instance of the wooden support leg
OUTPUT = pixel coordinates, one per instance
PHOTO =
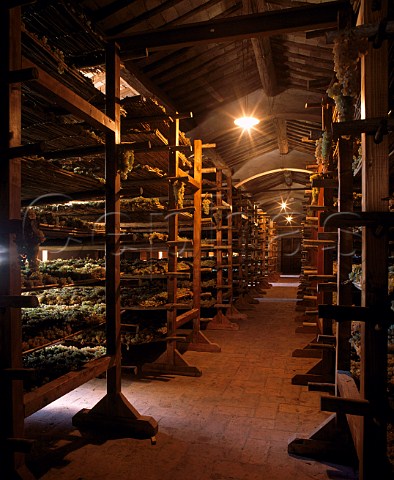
(242, 303)
(307, 353)
(322, 372)
(234, 314)
(114, 414)
(306, 329)
(200, 343)
(174, 364)
(221, 322)
(330, 443)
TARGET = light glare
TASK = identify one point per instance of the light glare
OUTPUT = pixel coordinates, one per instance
(246, 122)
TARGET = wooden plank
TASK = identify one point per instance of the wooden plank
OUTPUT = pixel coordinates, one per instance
(327, 287)
(347, 313)
(361, 31)
(375, 187)
(186, 317)
(112, 220)
(197, 236)
(368, 126)
(18, 301)
(378, 219)
(42, 396)
(240, 27)
(11, 400)
(347, 388)
(320, 277)
(281, 132)
(70, 100)
(263, 55)
(327, 235)
(349, 406)
(345, 247)
(325, 183)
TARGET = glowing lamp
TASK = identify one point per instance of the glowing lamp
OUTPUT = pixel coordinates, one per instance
(246, 122)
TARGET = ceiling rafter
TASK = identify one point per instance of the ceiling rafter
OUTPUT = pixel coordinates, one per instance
(156, 60)
(223, 66)
(110, 9)
(323, 15)
(132, 22)
(205, 58)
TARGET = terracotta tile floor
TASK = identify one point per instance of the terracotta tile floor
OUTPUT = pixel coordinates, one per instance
(233, 423)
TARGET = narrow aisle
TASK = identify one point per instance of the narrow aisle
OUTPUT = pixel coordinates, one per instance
(233, 423)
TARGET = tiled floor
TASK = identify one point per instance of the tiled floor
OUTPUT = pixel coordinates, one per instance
(233, 423)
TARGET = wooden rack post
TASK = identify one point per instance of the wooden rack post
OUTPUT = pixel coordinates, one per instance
(114, 412)
(372, 448)
(220, 321)
(344, 257)
(233, 313)
(198, 342)
(364, 408)
(171, 361)
(11, 372)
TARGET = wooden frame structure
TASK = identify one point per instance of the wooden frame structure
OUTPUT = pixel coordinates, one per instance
(113, 412)
(362, 411)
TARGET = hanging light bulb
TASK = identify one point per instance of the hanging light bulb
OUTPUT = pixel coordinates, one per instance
(289, 218)
(246, 122)
(283, 205)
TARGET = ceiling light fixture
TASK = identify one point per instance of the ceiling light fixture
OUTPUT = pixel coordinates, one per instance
(246, 122)
(283, 205)
(289, 218)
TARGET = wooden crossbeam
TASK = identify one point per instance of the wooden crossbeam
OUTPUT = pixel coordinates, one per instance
(273, 22)
(69, 99)
(186, 317)
(355, 127)
(18, 301)
(23, 75)
(346, 313)
(345, 405)
(361, 219)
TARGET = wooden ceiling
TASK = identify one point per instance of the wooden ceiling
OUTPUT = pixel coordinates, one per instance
(213, 58)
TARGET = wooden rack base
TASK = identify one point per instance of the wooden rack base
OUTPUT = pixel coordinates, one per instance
(116, 415)
(328, 443)
(200, 343)
(222, 322)
(176, 365)
(234, 314)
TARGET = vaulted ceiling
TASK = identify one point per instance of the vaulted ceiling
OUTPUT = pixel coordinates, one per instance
(217, 58)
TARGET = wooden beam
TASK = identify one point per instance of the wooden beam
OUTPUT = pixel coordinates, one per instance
(145, 15)
(142, 83)
(349, 406)
(156, 118)
(11, 399)
(69, 99)
(345, 246)
(375, 188)
(368, 30)
(376, 219)
(263, 52)
(369, 126)
(274, 22)
(44, 395)
(110, 9)
(281, 132)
